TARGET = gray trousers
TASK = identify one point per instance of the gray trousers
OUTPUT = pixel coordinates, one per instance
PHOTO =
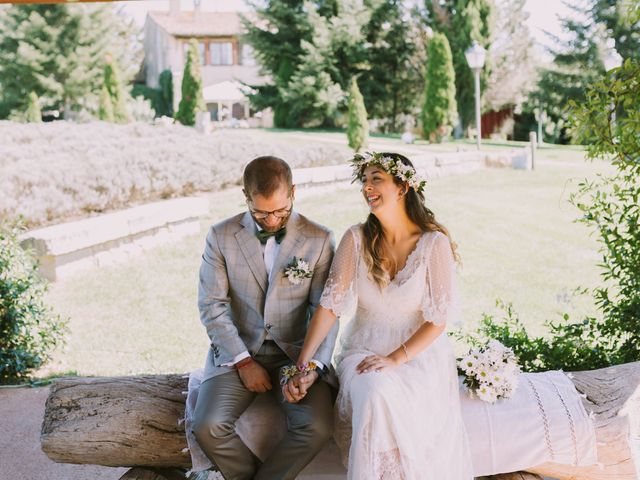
(221, 401)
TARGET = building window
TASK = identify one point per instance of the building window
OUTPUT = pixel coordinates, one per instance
(201, 50)
(247, 55)
(221, 53)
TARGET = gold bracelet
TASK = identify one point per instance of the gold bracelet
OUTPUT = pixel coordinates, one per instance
(404, 349)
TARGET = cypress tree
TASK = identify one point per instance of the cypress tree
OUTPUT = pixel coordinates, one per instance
(192, 100)
(105, 111)
(34, 115)
(113, 86)
(439, 112)
(357, 127)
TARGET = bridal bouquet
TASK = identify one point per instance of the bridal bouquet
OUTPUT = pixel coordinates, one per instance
(491, 372)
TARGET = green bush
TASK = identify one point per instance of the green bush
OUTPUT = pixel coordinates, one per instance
(28, 329)
(439, 112)
(192, 100)
(608, 123)
(34, 115)
(357, 127)
(568, 346)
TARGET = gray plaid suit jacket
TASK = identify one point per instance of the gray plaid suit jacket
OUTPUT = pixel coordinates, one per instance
(238, 305)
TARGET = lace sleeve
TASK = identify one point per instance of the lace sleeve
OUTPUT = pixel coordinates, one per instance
(440, 302)
(339, 291)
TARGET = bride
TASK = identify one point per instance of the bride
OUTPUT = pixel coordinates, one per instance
(398, 410)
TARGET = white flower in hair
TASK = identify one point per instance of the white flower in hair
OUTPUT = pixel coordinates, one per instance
(390, 165)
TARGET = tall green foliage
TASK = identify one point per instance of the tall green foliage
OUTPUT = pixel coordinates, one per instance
(118, 97)
(312, 49)
(463, 22)
(439, 112)
(391, 66)
(277, 42)
(34, 115)
(57, 52)
(357, 126)
(577, 63)
(607, 122)
(28, 329)
(105, 110)
(192, 100)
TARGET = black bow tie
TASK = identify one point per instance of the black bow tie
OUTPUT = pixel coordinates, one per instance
(263, 235)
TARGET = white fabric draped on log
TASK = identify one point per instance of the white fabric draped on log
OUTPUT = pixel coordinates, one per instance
(545, 421)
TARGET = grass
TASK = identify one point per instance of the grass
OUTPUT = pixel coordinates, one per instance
(515, 230)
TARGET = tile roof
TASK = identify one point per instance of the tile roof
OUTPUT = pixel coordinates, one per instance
(201, 24)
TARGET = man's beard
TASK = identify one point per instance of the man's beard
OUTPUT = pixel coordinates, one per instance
(271, 229)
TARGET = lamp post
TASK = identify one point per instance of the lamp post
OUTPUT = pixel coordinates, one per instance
(476, 55)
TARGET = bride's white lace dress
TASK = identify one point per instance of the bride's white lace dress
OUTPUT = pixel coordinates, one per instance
(402, 424)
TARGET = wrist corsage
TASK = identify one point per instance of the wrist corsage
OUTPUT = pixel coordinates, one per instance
(297, 271)
(287, 373)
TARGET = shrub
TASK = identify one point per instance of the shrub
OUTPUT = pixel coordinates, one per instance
(439, 112)
(34, 115)
(357, 127)
(28, 329)
(192, 100)
(608, 123)
(60, 170)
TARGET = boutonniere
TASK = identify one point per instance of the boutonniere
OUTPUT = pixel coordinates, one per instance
(297, 271)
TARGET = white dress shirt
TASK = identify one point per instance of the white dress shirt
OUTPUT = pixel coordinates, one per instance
(270, 252)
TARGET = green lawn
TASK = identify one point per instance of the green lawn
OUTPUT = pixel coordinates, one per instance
(515, 232)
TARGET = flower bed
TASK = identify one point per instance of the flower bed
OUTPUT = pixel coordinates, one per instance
(58, 171)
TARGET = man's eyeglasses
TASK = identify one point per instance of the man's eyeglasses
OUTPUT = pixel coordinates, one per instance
(261, 214)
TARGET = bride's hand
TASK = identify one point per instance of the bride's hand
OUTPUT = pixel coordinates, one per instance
(296, 388)
(376, 363)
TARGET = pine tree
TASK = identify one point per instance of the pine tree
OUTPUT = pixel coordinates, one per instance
(439, 113)
(34, 115)
(577, 63)
(357, 127)
(117, 96)
(192, 100)
(392, 82)
(463, 22)
(105, 111)
(277, 39)
(57, 51)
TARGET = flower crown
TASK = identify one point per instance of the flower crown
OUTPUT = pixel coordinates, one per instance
(390, 165)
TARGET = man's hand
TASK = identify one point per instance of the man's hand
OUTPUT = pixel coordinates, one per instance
(296, 388)
(255, 377)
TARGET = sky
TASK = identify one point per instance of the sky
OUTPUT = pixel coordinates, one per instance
(543, 14)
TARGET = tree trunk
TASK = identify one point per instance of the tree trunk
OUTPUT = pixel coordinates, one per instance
(137, 421)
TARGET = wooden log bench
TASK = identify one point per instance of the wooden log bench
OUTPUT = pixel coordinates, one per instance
(137, 422)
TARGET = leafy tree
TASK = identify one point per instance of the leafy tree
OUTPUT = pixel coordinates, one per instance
(621, 22)
(439, 113)
(28, 329)
(463, 22)
(57, 51)
(513, 71)
(358, 126)
(34, 115)
(607, 122)
(192, 100)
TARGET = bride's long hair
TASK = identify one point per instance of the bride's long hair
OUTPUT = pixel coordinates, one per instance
(417, 212)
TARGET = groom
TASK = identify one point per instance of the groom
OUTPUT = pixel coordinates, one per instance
(256, 317)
